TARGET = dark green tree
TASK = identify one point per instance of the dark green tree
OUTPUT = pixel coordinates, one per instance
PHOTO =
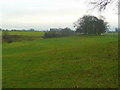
(90, 25)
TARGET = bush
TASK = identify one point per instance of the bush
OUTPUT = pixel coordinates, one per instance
(6, 37)
(67, 32)
(9, 38)
(52, 34)
(59, 33)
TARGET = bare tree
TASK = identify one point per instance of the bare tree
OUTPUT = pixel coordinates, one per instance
(102, 4)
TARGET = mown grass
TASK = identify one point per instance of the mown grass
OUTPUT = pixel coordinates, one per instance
(69, 62)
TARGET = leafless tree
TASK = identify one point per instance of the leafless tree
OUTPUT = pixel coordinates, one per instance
(102, 4)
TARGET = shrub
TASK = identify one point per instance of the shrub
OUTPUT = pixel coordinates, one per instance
(62, 33)
(52, 34)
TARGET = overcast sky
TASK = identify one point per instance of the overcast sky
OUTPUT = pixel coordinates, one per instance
(45, 14)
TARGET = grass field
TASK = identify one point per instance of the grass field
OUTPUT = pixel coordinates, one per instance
(69, 62)
(26, 33)
(16, 36)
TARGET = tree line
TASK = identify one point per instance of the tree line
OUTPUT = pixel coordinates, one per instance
(87, 25)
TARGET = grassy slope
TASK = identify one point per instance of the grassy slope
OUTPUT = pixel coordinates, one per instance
(84, 62)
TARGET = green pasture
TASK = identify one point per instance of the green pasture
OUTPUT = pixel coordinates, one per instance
(26, 33)
(16, 36)
(69, 62)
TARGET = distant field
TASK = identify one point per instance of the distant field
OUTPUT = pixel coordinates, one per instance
(16, 36)
(26, 33)
(70, 62)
